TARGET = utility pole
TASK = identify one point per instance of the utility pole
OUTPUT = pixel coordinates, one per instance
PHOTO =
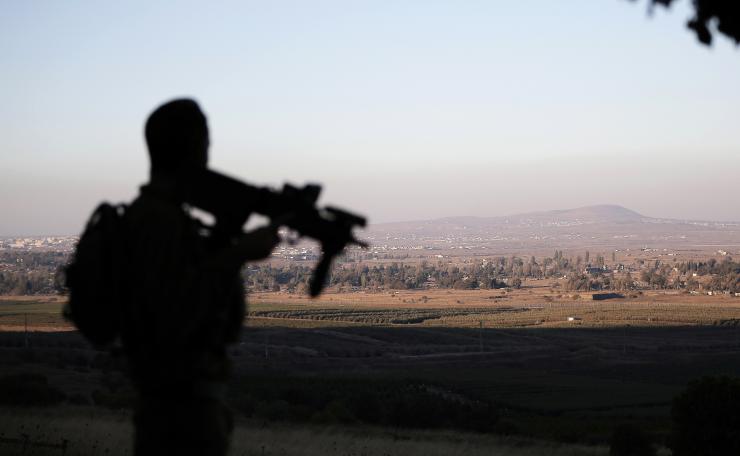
(624, 341)
(480, 336)
(25, 329)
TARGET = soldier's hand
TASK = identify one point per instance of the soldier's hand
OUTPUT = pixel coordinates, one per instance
(259, 243)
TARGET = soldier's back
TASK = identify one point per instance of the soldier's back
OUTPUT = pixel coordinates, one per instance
(170, 335)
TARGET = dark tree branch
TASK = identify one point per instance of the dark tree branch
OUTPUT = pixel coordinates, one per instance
(724, 13)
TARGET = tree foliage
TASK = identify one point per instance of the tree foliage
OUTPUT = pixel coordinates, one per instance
(706, 418)
(629, 440)
(724, 15)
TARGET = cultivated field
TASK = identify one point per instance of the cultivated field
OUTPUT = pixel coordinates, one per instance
(528, 307)
(532, 306)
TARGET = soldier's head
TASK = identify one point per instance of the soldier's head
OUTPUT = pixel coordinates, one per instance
(177, 137)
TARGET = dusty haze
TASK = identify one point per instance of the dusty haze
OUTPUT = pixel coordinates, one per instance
(403, 111)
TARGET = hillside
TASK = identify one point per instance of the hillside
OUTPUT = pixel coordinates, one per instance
(601, 225)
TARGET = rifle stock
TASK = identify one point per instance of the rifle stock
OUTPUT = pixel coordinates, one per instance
(232, 201)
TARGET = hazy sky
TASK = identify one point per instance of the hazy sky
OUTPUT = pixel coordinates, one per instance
(402, 109)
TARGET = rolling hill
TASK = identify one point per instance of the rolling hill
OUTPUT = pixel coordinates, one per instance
(601, 225)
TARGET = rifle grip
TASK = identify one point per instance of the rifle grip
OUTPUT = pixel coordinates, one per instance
(319, 275)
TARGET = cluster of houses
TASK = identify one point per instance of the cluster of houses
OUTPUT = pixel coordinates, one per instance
(295, 253)
(41, 243)
(596, 270)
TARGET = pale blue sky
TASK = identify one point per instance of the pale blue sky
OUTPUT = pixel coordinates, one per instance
(403, 109)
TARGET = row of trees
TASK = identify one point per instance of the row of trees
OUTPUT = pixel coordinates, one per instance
(27, 283)
(503, 272)
(692, 276)
(27, 273)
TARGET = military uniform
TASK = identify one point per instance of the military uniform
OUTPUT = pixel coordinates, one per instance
(181, 310)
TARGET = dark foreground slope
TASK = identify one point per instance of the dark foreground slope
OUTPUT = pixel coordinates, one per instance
(566, 385)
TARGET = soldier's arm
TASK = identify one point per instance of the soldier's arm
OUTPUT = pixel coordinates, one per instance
(253, 245)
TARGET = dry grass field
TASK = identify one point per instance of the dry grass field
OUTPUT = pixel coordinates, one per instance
(533, 306)
(37, 313)
(528, 307)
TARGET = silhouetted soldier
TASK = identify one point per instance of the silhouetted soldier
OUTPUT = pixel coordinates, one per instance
(184, 298)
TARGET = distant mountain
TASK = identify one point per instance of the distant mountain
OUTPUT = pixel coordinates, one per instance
(606, 225)
(604, 213)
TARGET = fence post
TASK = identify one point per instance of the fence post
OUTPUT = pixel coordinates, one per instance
(25, 329)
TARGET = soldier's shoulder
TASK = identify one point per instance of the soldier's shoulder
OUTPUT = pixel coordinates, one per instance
(150, 204)
(152, 216)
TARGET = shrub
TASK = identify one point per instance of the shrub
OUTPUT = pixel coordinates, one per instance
(114, 399)
(28, 389)
(399, 403)
(79, 399)
(629, 440)
(706, 418)
(506, 427)
(334, 412)
(281, 410)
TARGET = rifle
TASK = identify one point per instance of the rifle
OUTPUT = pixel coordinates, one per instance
(232, 201)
